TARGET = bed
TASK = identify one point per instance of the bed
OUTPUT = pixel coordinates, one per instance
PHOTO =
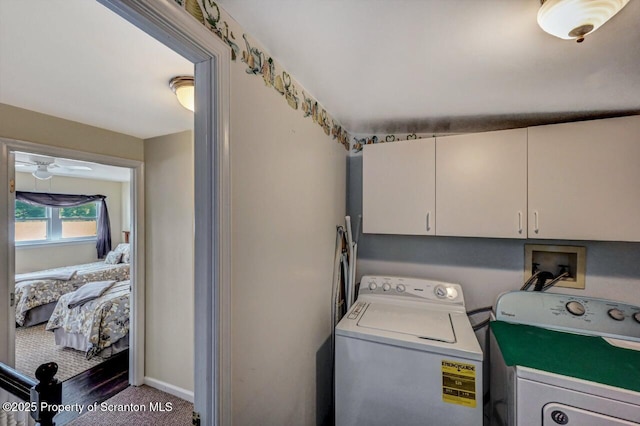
(97, 327)
(36, 296)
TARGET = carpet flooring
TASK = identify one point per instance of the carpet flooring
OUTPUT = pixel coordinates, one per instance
(139, 406)
(36, 346)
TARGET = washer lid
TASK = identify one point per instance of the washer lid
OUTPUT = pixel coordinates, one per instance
(425, 324)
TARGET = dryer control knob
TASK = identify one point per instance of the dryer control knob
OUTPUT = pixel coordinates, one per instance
(386, 287)
(616, 314)
(400, 288)
(575, 308)
(636, 317)
(559, 417)
(373, 286)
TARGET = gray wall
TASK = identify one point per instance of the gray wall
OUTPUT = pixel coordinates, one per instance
(486, 267)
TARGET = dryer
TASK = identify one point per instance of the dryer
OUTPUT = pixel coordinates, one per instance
(406, 354)
(558, 359)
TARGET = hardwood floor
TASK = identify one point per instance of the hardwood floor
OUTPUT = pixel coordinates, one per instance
(95, 385)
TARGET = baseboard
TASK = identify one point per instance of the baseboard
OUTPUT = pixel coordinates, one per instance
(169, 388)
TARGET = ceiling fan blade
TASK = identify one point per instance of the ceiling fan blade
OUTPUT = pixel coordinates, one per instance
(72, 164)
(77, 167)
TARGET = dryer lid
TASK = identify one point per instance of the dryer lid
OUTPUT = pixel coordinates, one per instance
(422, 323)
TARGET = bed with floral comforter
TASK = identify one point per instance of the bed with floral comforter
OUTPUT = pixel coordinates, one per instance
(96, 325)
(31, 294)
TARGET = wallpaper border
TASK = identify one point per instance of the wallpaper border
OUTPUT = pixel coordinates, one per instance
(258, 63)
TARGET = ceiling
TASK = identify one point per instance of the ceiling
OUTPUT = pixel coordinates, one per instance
(376, 65)
(77, 60)
(428, 65)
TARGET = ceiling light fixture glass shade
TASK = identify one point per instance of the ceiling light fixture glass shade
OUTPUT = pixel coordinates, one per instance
(183, 87)
(574, 19)
(42, 173)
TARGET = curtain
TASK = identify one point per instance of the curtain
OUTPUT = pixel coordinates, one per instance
(103, 245)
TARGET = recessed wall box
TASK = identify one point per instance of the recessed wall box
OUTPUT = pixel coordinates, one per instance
(556, 259)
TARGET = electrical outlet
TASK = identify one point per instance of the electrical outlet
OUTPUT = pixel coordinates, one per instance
(557, 259)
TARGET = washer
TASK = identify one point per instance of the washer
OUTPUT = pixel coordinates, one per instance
(558, 359)
(406, 354)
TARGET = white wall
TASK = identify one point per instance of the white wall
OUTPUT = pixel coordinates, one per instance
(288, 196)
(288, 172)
(29, 126)
(169, 216)
(35, 258)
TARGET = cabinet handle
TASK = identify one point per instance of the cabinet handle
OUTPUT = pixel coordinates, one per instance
(428, 224)
(519, 222)
(536, 228)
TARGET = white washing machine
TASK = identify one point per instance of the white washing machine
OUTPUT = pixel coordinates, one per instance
(564, 360)
(406, 354)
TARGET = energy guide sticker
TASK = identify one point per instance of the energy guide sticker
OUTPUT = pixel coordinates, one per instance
(459, 383)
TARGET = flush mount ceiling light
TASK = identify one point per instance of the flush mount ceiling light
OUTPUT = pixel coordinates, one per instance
(42, 172)
(574, 19)
(183, 87)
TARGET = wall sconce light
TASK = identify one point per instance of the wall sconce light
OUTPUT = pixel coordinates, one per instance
(183, 87)
(574, 19)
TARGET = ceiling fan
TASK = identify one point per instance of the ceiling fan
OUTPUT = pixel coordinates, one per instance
(41, 167)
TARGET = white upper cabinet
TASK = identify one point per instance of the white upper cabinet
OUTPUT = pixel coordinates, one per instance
(481, 184)
(584, 180)
(398, 188)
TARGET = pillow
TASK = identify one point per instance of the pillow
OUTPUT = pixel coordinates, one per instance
(122, 248)
(88, 292)
(113, 258)
(125, 250)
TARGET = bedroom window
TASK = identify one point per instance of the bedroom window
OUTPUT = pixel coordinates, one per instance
(55, 224)
(32, 222)
(76, 222)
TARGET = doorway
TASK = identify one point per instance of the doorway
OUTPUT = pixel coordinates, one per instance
(211, 56)
(64, 233)
(123, 187)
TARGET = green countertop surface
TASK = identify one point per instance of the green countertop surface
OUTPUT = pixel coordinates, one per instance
(584, 357)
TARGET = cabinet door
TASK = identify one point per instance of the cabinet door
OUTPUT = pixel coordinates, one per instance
(584, 180)
(398, 188)
(481, 184)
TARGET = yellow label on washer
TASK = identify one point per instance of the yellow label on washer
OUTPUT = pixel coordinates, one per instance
(459, 383)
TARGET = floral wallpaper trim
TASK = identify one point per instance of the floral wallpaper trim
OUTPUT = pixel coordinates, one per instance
(209, 14)
(359, 143)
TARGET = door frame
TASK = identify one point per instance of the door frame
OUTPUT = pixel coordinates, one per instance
(136, 194)
(173, 26)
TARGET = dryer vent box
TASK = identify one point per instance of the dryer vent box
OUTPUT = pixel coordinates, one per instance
(555, 259)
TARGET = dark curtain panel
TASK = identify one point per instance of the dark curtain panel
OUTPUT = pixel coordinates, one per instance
(70, 200)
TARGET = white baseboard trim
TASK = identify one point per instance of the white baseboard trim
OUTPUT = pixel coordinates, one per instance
(169, 388)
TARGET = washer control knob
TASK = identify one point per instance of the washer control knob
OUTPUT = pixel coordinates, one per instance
(636, 317)
(440, 292)
(386, 287)
(616, 314)
(400, 288)
(575, 308)
(373, 286)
